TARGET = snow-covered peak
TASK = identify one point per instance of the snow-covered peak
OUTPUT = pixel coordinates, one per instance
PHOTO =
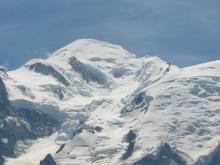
(116, 108)
(90, 49)
(82, 69)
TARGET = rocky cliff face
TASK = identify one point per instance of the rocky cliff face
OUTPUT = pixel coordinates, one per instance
(3, 93)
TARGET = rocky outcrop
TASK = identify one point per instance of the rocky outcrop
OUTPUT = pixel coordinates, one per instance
(88, 72)
(165, 156)
(44, 69)
(130, 139)
(23, 124)
(48, 160)
(140, 102)
(3, 93)
(3, 73)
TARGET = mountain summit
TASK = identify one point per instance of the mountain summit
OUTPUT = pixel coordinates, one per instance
(105, 105)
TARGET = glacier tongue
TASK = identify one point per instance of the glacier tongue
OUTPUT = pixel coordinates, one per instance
(117, 108)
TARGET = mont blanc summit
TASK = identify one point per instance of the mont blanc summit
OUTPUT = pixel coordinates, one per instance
(92, 102)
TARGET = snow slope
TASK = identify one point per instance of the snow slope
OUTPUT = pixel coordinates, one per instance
(44, 145)
(116, 108)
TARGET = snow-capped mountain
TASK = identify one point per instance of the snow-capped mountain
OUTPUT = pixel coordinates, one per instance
(105, 105)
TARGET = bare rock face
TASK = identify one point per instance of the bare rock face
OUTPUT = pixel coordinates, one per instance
(3, 73)
(48, 160)
(3, 93)
(130, 139)
(88, 72)
(48, 70)
(165, 156)
(22, 124)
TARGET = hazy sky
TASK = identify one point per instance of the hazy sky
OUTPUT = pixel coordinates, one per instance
(183, 32)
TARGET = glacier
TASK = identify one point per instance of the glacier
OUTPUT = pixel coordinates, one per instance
(97, 103)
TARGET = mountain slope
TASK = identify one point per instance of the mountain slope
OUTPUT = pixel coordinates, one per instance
(20, 124)
(116, 108)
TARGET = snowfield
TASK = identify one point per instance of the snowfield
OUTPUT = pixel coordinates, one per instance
(32, 157)
(117, 108)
